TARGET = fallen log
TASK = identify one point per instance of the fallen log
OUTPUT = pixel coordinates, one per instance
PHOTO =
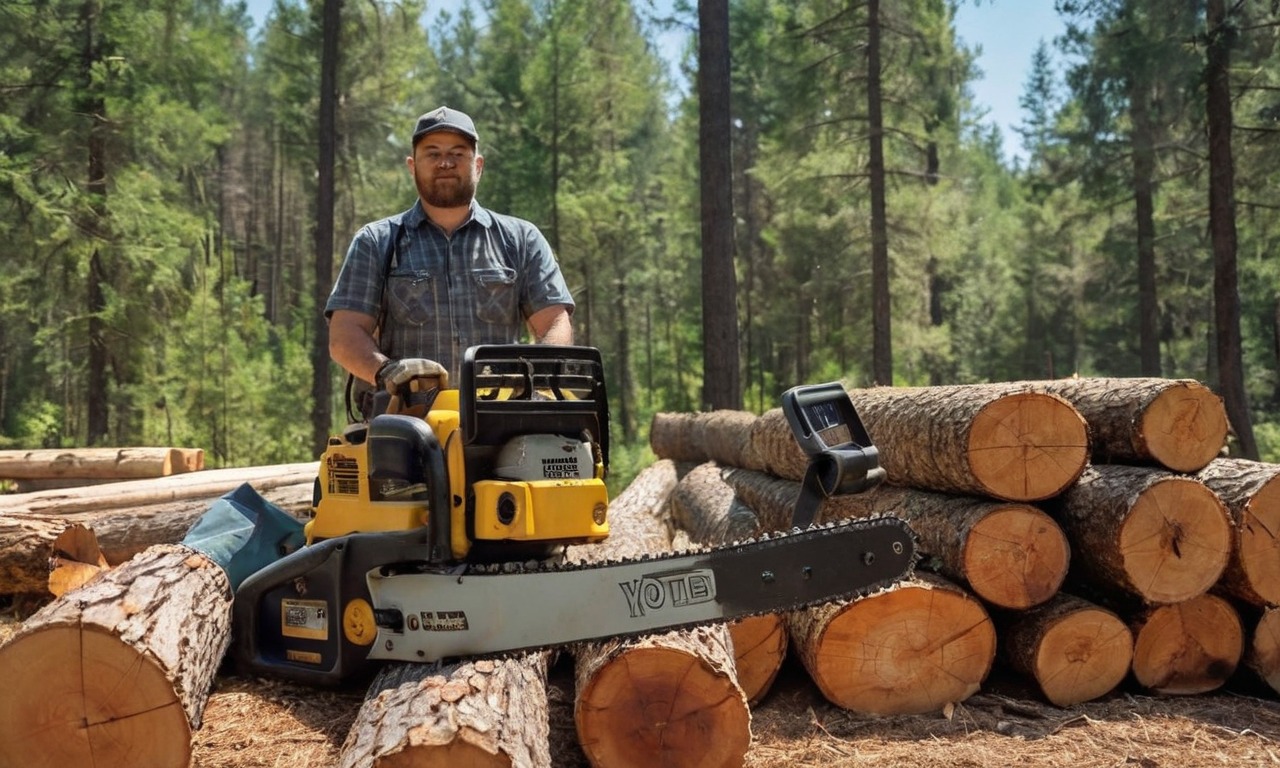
(1176, 423)
(703, 505)
(28, 542)
(117, 673)
(1163, 537)
(209, 483)
(669, 699)
(1251, 491)
(1186, 648)
(1262, 656)
(723, 437)
(1075, 651)
(99, 463)
(1012, 555)
(910, 649)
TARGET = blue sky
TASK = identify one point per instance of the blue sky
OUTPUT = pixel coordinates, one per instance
(1007, 31)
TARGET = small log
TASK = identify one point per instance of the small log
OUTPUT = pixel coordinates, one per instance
(1187, 648)
(1263, 654)
(1176, 423)
(205, 484)
(117, 673)
(1075, 651)
(997, 440)
(913, 648)
(669, 699)
(474, 714)
(1162, 537)
(99, 463)
(1012, 555)
(703, 505)
(1251, 492)
(719, 436)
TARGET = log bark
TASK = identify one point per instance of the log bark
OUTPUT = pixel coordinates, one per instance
(1075, 651)
(1263, 653)
(471, 715)
(117, 673)
(997, 440)
(1251, 491)
(704, 506)
(913, 648)
(720, 436)
(131, 493)
(27, 542)
(1177, 423)
(99, 463)
(1187, 648)
(1162, 537)
(1012, 555)
(665, 700)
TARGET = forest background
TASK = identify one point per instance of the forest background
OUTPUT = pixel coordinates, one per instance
(166, 239)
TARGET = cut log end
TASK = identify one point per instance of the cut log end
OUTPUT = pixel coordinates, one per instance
(1016, 557)
(1264, 649)
(1027, 447)
(1083, 655)
(631, 715)
(1188, 648)
(759, 647)
(1258, 542)
(1176, 541)
(78, 696)
(1185, 426)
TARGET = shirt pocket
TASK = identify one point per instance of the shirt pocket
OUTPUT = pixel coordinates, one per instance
(412, 298)
(495, 294)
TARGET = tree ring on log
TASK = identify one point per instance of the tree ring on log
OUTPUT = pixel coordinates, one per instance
(1027, 447)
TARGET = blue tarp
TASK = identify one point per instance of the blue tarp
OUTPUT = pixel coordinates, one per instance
(243, 533)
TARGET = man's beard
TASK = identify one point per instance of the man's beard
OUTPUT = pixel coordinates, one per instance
(453, 193)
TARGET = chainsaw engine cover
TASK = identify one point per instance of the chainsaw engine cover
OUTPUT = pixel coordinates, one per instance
(544, 457)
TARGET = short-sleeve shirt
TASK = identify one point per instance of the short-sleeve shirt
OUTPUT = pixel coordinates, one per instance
(445, 293)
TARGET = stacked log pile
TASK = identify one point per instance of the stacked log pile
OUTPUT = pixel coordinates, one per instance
(77, 467)
(1093, 522)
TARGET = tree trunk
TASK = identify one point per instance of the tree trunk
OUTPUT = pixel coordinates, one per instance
(911, 649)
(1251, 491)
(705, 506)
(117, 673)
(472, 715)
(659, 701)
(881, 306)
(1162, 537)
(1074, 650)
(1187, 648)
(1178, 423)
(1011, 555)
(99, 463)
(998, 440)
(327, 150)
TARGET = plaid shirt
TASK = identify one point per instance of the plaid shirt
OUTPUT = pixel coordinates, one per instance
(446, 293)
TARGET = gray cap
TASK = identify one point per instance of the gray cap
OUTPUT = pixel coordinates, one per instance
(445, 119)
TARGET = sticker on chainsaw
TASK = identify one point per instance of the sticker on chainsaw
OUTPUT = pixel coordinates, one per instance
(557, 468)
(305, 619)
(444, 621)
(659, 592)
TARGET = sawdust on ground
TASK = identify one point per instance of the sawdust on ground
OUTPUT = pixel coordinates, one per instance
(252, 723)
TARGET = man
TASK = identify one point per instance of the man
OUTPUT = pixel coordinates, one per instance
(420, 287)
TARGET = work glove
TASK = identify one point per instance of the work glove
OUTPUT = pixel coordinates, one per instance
(394, 374)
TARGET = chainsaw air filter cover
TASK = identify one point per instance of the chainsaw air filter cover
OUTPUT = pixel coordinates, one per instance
(544, 457)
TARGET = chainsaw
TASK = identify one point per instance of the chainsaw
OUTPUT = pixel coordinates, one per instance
(438, 526)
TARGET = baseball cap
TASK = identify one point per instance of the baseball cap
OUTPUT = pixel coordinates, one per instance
(445, 119)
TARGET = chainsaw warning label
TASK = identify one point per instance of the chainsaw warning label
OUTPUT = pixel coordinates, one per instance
(674, 589)
(560, 468)
(444, 621)
(305, 619)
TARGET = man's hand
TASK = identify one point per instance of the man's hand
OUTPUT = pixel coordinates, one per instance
(394, 374)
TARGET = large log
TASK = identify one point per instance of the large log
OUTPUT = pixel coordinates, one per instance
(913, 648)
(475, 714)
(1177, 423)
(703, 505)
(720, 436)
(1012, 555)
(209, 483)
(27, 542)
(1251, 491)
(1075, 651)
(1163, 537)
(665, 700)
(99, 463)
(997, 440)
(1186, 648)
(117, 673)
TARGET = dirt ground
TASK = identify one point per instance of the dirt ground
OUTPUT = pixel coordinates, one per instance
(251, 723)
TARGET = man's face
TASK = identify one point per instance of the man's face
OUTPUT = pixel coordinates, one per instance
(446, 169)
